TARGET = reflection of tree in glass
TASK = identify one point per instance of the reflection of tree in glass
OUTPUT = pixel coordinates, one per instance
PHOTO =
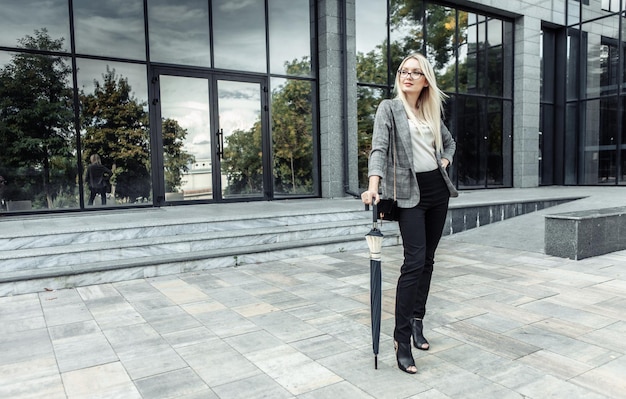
(291, 132)
(242, 161)
(36, 118)
(292, 142)
(415, 27)
(116, 127)
(369, 98)
(176, 161)
(439, 24)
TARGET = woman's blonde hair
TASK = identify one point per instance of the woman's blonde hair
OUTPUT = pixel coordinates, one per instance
(95, 158)
(431, 99)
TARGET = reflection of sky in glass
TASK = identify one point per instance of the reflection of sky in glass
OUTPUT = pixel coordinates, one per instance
(90, 70)
(239, 105)
(371, 29)
(5, 58)
(179, 32)
(110, 28)
(21, 18)
(239, 34)
(289, 31)
(494, 32)
(186, 100)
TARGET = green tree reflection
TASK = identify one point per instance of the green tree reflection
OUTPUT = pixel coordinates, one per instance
(115, 126)
(36, 118)
(292, 142)
(292, 132)
(415, 26)
(176, 160)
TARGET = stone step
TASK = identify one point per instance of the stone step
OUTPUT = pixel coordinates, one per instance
(88, 273)
(68, 255)
(61, 235)
(52, 253)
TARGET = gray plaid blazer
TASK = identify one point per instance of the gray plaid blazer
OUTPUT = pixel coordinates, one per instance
(391, 119)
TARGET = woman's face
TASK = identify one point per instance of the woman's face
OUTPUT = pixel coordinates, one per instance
(412, 80)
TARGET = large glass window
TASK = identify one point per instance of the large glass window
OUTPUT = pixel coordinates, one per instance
(114, 125)
(290, 37)
(38, 161)
(292, 137)
(21, 18)
(183, 39)
(113, 28)
(595, 118)
(371, 39)
(472, 57)
(48, 138)
(239, 35)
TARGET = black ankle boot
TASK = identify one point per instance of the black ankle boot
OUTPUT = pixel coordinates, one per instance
(405, 357)
(419, 341)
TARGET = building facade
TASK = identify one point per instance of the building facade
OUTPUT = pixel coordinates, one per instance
(207, 101)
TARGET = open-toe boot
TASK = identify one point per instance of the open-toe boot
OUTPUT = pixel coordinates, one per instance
(419, 341)
(404, 357)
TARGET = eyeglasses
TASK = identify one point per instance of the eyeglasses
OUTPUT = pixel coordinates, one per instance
(414, 75)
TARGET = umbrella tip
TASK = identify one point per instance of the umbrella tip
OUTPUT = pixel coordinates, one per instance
(375, 362)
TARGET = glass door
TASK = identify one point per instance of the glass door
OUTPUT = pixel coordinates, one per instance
(240, 128)
(186, 164)
(213, 138)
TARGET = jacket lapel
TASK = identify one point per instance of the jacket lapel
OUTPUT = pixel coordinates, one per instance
(403, 132)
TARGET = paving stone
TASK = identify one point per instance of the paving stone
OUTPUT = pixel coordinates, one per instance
(104, 381)
(503, 322)
(172, 384)
(259, 386)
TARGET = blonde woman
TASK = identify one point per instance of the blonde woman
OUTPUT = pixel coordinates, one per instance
(411, 127)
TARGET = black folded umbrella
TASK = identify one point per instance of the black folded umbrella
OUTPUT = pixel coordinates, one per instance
(375, 242)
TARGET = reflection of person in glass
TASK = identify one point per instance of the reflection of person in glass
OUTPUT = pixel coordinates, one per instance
(97, 178)
(411, 127)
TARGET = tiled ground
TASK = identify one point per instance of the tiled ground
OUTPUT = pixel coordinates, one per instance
(503, 323)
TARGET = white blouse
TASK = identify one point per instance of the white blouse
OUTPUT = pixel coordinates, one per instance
(423, 141)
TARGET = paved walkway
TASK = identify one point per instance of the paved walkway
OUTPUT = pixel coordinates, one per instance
(504, 321)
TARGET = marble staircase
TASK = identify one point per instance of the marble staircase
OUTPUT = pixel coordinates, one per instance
(48, 252)
(64, 257)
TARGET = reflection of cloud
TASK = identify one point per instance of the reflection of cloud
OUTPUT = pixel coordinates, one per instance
(202, 139)
(231, 41)
(112, 27)
(21, 18)
(239, 105)
(199, 146)
(90, 70)
(236, 5)
(288, 41)
(186, 100)
(241, 119)
(180, 40)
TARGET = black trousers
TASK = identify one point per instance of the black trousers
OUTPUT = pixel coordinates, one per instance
(103, 195)
(421, 228)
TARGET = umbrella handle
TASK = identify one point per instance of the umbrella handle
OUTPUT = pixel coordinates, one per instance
(374, 212)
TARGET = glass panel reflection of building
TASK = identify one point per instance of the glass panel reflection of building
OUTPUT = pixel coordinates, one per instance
(596, 95)
(472, 57)
(105, 60)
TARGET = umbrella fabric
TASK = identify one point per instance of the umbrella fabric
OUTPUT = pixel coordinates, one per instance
(374, 241)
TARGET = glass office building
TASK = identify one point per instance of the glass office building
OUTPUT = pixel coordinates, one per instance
(207, 101)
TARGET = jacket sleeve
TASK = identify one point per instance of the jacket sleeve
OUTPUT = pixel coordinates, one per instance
(448, 143)
(383, 126)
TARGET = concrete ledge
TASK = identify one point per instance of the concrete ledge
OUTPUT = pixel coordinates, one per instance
(583, 234)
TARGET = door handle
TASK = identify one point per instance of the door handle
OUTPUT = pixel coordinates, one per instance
(220, 144)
